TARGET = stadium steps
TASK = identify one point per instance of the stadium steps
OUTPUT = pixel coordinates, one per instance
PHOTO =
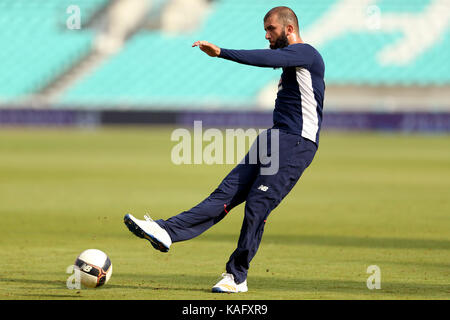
(184, 16)
(85, 64)
(123, 19)
(57, 86)
(37, 44)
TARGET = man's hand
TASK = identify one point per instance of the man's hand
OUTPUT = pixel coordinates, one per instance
(210, 49)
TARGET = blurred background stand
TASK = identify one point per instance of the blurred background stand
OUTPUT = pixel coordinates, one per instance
(382, 57)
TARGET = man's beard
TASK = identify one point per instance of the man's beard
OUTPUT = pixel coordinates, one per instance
(281, 42)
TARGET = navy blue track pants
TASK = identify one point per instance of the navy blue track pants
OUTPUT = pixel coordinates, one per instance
(261, 193)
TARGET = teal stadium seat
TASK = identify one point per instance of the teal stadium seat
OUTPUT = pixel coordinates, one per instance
(36, 44)
(359, 64)
(162, 70)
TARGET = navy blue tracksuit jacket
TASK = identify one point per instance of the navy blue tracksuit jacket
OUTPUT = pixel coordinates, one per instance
(297, 119)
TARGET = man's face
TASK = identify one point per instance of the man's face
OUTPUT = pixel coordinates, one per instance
(275, 33)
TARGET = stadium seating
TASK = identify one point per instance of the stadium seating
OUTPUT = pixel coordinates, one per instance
(36, 45)
(157, 68)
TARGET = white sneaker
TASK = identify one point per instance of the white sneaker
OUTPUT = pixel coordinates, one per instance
(227, 285)
(150, 230)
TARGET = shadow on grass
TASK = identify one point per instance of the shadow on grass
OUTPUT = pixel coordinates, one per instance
(257, 284)
(275, 284)
(352, 287)
(142, 282)
(340, 241)
(48, 296)
(43, 285)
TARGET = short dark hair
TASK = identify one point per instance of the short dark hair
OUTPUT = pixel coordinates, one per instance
(285, 16)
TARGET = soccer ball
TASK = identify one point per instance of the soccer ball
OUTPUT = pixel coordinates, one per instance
(94, 267)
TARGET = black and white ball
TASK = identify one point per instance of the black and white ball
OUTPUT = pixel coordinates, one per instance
(95, 268)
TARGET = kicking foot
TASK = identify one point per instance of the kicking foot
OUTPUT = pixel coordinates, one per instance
(227, 285)
(150, 230)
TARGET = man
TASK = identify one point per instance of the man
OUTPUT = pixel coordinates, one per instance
(297, 119)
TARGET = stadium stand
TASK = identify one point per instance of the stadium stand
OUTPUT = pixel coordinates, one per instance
(36, 45)
(157, 67)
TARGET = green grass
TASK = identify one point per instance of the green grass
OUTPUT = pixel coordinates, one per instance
(367, 199)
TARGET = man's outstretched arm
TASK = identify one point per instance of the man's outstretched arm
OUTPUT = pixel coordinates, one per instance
(286, 57)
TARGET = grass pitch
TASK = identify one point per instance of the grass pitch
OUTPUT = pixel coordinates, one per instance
(367, 199)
